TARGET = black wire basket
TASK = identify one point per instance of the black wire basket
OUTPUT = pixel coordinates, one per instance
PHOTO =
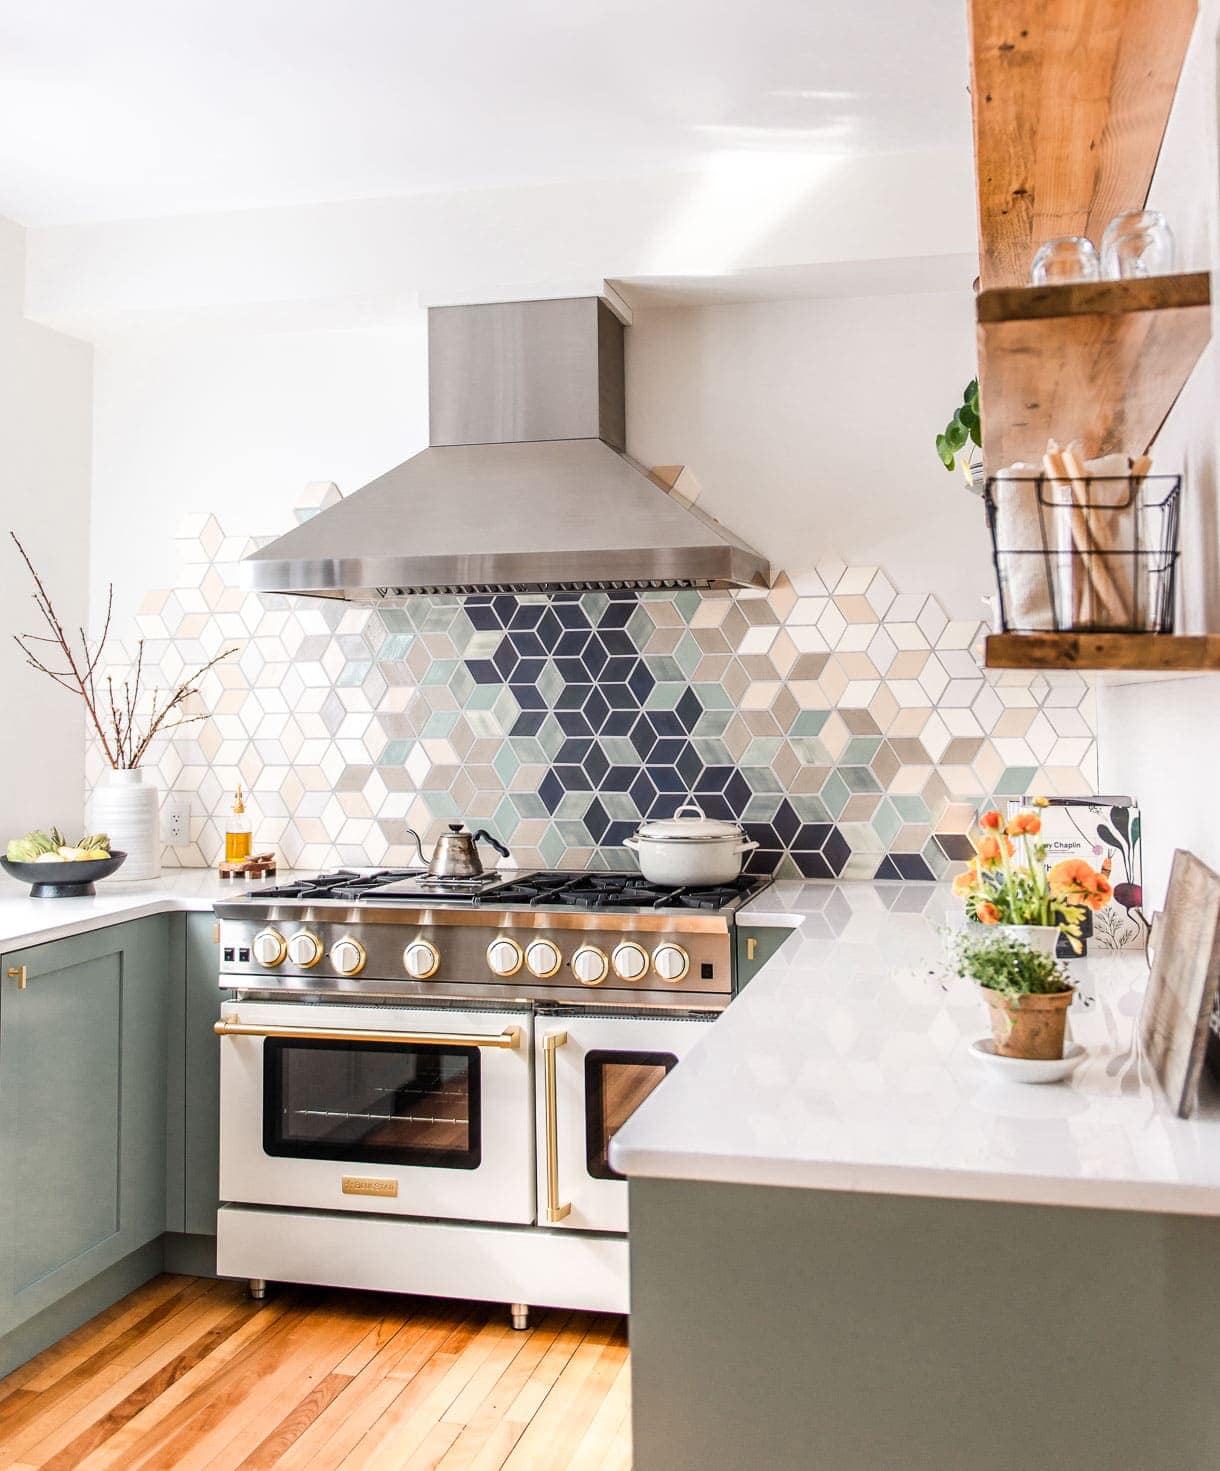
(1088, 555)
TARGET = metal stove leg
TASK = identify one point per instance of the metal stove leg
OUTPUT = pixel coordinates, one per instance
(257, 1288)
(521, 1315)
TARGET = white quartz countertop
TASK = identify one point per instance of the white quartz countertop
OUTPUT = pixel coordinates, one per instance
(25, 921)
(845, 1065)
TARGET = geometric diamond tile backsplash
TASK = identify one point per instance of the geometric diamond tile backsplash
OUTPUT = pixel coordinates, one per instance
(850, 728)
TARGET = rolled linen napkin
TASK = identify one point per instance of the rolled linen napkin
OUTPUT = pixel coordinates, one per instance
(1025, 577)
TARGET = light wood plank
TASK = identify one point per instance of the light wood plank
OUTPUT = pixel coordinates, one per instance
(1154, 651)
(1070, 101)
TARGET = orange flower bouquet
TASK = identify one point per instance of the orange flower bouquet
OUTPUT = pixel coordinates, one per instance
(1007, 881)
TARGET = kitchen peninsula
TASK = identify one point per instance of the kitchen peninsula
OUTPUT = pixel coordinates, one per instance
(852, 1248)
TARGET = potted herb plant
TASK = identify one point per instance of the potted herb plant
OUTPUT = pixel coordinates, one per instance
(1007, 884)
(964, 431)
(1026, 990)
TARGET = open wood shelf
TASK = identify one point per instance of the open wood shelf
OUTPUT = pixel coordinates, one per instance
(1070, 101)
(1178, 653)
(1099, 361)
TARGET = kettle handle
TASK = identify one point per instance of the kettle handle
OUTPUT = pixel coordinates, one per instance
(483, 836)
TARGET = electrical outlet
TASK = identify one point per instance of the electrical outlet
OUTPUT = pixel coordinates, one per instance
(176, 820)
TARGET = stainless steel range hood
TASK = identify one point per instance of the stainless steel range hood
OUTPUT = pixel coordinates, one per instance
(526, 486)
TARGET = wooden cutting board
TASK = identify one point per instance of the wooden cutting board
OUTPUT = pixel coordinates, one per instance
(1185, 979)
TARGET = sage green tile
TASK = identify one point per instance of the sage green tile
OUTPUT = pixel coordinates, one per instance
(686, 602)
(483, 697)
(551, 737)
(713, 697)
(834, 793)
(808, 807)
(440, 724)
(440, 671)
(911, 809)
(506, 763)
(442, 806)
(482, 644)
(885, 822)
(688, 655)
(619, 751)
(761, 779)
(640, 627)
(859, 778)
(506, 708)
(461, 682)
(761, 751)
(528, 750)
(809, 723)
(1015, 781)
(860, 750)
(620, 806)
(550, 682)
(552, 845)
(593, 605)
(505, 821)
(713, 723)
(761, 807)
(712, 751)
(665, 696)
(665, 669)
(811, 752)
(528, 804)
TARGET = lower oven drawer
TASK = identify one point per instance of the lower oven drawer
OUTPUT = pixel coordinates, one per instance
(396, 1110)
(591, 1074)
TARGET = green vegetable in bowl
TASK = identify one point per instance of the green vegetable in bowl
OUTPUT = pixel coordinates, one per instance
(53, 847)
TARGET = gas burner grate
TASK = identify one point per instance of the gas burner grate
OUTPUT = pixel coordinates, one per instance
(618, 891)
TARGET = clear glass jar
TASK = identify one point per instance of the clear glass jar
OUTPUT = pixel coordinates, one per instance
(1066, 258)
(1137, 243)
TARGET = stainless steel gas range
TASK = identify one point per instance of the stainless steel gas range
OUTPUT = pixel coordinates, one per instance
(420, 1077)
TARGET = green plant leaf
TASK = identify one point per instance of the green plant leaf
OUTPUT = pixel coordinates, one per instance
(944, 451)
(956, 434)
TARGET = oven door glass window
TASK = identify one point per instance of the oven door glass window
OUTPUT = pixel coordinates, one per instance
(616, 1083)
(372, 1102)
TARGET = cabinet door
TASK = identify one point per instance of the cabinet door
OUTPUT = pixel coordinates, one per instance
(82, 1099)
(756, 944)
(201, 1133)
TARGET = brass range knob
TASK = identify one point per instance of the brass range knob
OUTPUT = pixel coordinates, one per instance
(590, 966)
(348, 956)
(421, 959)
(543, 957)
(670, 962)
(269, 948)
(304, 949)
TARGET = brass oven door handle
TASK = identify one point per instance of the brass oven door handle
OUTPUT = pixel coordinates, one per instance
(19, 974)
(555, 1211)
(509, 1037)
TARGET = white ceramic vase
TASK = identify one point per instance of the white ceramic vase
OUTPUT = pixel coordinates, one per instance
(1044, 937)
(127, 808)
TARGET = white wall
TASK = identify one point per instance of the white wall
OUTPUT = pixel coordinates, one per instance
(1160, 740)
(45, 394)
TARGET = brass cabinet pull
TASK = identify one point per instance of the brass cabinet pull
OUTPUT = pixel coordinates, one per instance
(554, 1210)
(18, 973)
(509, 1037)
(751, 947)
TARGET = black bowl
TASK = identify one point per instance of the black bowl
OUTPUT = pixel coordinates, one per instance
(64, 880)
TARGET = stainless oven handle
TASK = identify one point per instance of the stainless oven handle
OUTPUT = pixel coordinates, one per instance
(235, 1027)
(554, 1210)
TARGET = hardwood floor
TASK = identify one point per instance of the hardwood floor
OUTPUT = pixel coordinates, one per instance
(187, 1374)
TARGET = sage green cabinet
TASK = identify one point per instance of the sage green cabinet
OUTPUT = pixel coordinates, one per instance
(84, 1036)
(756, 944)
(201, 1055)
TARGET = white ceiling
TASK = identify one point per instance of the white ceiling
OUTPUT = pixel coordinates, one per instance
(134, 108)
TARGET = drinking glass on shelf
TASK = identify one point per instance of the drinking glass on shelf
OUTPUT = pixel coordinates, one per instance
(1067, 258)
(1137, 243)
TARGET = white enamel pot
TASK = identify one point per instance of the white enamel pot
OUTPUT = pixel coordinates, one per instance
(695, 851)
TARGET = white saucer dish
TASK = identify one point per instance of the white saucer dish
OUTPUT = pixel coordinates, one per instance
(1027, 1069)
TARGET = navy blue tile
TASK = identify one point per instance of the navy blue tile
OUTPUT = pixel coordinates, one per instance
(550, 789)
(596, 820)
(483, 671)
(597, 764)
(570, 645)
(666, 723)
(529, 670)
(527, 615)
(618, 613)
(618, 670)
(527, 644)
(737, 791)
(573, 722)
(572, 670)
(688, 709)
(811, 836)
(528, 696)
(505, 607)
(617, 641)
(666, 751)
(763, 834)
(643, 792)
(595, 658)
(714, 779)
(813, 865)
(715, 806)
(617, 832)
(528, 723)
(573, 752)
(667, 779)
(482, 615)
(573, 778)
(573, 696)
(641, 681)
(643, 737)
(786, 822)
(505, 659)
(596, 709)
(618, 722)
(838, 850)
(569, 614)
(690, 766)
(665, 804)
(763, 861)
(618, 778)
(550, 629)
(911, 866)
(619, 697)
(887, 869)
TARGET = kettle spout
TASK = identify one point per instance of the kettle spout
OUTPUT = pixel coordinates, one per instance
(419, 847)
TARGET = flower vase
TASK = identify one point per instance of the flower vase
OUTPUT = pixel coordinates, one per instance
(126, 808)
(1043, 937)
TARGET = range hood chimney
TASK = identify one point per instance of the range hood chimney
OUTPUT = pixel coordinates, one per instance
(526, 485)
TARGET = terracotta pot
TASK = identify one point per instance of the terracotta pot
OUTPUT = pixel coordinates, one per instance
(1028, 1026)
